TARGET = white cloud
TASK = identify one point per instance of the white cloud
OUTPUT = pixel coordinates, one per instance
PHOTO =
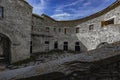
(69, 10)
(62, 13)
(38, 7)
(61, 16)
(70, 4)
(87, 3)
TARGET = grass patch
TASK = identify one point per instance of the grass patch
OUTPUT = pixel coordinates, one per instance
(32, 58)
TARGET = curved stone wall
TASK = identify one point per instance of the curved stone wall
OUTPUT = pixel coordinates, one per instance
(89, 38)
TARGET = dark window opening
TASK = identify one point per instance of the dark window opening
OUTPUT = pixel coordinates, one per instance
(91, 27)
(46, 42)
(54, 29)
(65, 46)
(47, 29)
(56, 45)
(46, 45)
(30, 46)
(59, 29)
(65, 31)
(77, 30)
(105, 23)
(77, 46)
(1, 12)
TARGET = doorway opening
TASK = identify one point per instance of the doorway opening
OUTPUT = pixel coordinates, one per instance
(5, 49)
(77, 46)
(56, 45)
(65, 46)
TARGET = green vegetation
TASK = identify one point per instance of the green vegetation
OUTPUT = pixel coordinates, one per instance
(35, 56)
(24, 61)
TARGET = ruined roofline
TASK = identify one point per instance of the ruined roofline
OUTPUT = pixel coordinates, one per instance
(102, 12)
(36, 15)
(26, 3)
(97, 14)
(44, 15)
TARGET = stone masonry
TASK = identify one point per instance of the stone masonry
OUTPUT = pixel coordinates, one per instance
(47, 29)
(16, 25)
(25, 32)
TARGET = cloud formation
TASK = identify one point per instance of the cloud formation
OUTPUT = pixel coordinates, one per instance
(68, 9)
(38, 5)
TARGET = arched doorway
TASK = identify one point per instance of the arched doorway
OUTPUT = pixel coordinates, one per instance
(5, 45)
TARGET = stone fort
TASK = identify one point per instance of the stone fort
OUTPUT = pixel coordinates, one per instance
(23, 33)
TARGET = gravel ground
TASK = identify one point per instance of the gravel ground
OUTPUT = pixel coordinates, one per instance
(43, 58)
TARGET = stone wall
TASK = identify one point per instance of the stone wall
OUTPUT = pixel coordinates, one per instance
(16, 25)
(94, 64)
(89, 39)
(55, 34)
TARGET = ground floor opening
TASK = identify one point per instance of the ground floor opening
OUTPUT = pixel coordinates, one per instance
(4, 49)
(77, 46)
(65, 46)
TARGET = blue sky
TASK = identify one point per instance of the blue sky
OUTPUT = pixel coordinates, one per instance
(68, 9)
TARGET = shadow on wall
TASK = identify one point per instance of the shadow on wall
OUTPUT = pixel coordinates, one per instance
(65, 43)
(76, 44)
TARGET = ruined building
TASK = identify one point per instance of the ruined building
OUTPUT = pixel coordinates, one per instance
(22, 32)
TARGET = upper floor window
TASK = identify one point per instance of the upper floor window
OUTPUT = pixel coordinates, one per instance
(91, 27)
(65, 31)
(54, 29)
(105, 23)
(65, 46)
(77, 30)
(59, 29)
(47, 29)
(1, 12)
(32, 27)
(46, 42)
